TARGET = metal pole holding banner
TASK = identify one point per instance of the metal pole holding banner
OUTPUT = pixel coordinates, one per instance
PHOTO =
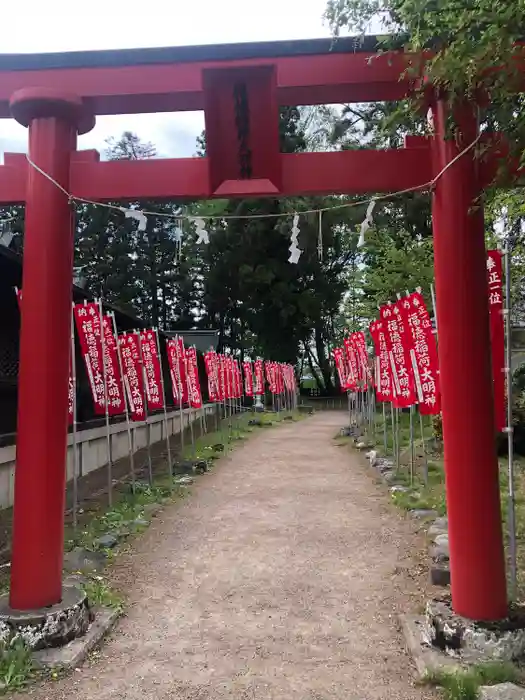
(126, 400)
(75, 446)
(394, 446)
(510, 427)
(412, 446)
(106, 404)
(385, 440)
(191, 409)
(168, 446)
(146, 412)
(425, 459)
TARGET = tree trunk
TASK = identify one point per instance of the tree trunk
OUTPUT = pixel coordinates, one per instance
(324, 362)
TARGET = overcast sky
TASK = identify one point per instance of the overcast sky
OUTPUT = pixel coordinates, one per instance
(61, 25)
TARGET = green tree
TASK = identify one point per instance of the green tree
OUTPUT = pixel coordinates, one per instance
(143, 271)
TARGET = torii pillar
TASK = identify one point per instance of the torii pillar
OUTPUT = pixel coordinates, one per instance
(54, 120)
(471, 467)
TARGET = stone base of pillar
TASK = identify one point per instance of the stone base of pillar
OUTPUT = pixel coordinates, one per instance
(49, 627)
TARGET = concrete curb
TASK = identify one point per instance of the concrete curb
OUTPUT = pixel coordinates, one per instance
(426, 659)
(73, 654)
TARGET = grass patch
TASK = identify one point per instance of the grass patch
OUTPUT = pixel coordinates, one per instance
(100, 594)
(16, 666)
(121, 517)
(465, 684)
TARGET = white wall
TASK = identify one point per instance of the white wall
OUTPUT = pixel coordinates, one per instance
(92, 446)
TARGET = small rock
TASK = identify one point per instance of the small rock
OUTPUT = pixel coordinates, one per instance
(440, 555)
(388, 476)
(372, 456)
(123, 532)
(184, 481)
(434, 531)
(184, 467)
(84, 560)
(399, 489)
(141, 522)
(219, 447)
(502, 691)
(441, 523)
(107, 541)
(255, 422)
(422, 514)
(440, 576)
(441, 540)
(201, 466)
(288, 418)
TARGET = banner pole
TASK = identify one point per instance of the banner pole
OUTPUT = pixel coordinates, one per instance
(191, 409)
(126, 409)
(398, 442)
(394, 450)
(385, 438)
(75, 446)
(425, 459)
(510, 428)
(412, 445)
(146, 411)
(106, 404)
(180, 389)
(168, 446)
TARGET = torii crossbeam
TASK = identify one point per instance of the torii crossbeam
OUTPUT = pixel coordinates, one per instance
(240, 88)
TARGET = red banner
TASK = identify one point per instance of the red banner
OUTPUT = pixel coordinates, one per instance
(87, 319)
(259, 378)
(497, 334)
(133, 378)
(228, 377)
(222, 378)
(71, 388)
(194, 388)
(248, 378)
(340, 366)
(152, 369)
(398, 346)
(114, 389)
(359, 343)
(423, 353)
(238, 380)
(352, 381)
(176, 361)
(289, 378)
(211, 363)
(383, 372)
(271, 376)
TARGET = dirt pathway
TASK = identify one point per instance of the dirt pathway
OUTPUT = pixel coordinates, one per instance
(277, 579)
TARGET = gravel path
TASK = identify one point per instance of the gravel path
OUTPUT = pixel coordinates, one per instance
(279, 578)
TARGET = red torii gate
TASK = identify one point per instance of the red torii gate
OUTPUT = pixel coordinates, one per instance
(240, 88)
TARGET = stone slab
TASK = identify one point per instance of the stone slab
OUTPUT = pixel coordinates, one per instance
(441, 540)
(502, 691)
(440, 575)
(426, 659)
(74, 653)
(84, 560)
(434, 530)
(423, 514)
